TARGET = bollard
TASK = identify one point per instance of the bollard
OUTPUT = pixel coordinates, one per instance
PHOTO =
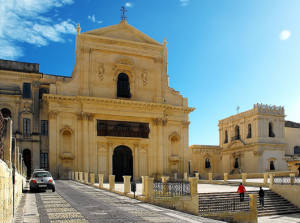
(175, 176)
(292, 178)
(144, 178)
(149, 190)
(92, 177)
(244, 177)
(225, 177)
(111, 182)
(126, 184)
(86, 177)
(100, 176)
(197, 176)
(271, 180)
(76, 176)
(210, 176)
(185, 176)
(266, 176)
(164, 179)
(80, 176)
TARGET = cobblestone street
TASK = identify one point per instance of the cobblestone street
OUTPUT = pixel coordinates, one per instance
(76, 202)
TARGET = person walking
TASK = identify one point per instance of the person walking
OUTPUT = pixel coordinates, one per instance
(241, 190)
(261, 194)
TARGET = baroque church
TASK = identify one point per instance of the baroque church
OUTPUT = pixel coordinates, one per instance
(117, 115)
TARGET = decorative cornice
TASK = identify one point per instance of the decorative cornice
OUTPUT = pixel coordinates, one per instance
(114, 139)
(26, 75)
(52, 114)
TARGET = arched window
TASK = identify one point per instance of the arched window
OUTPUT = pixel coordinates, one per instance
(6, 113)
(207, 163)
(249, 135)
(297, 150)
(123, 86)
(226, 137)
(237, 132)
(272, 166)
(41, 92)
(271, 133)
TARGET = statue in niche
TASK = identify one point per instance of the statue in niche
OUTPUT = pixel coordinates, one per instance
(101, 71)
(144, 77)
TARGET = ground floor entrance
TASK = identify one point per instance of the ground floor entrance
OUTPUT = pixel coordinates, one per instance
(122, 163)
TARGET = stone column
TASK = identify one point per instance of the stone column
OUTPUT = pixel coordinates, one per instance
(185, 154)
(193, 185)
(253, 202)
(185, 176)
(244, 178)
(76, 176)
(80, 176)
(92, 177)
(52, 143)
(92, 151)
(210, 176)
(225, 177)
(100, 176)
(7, 144)
(17, 162)
(149, 190)
(160, 122)
(126, 184)
(110, 154)
(85, 142)
(144, 179)
(266, 175)
(111, 182)
(136, 162)
(78, 141)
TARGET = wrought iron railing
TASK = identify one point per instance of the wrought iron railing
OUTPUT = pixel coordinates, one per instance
(171, 188)
(223, 205)
(284, 180)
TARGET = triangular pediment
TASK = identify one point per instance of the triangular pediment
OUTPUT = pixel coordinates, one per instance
(123, 31)
(236, 144)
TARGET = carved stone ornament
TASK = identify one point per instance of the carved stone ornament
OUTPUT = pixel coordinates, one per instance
(101, 71)
(27, 106)
(174, 134)
(67, 156)
(144, 77)
(160, 121)
(52, 114)
(84, 116)
(185, 124)
(174, 160)
(258, 152)
(159, 60)
(128, 72)
(66, 128)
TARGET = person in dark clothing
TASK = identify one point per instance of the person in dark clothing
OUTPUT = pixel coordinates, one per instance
(241, 190)
(261, 194)
(299, 171)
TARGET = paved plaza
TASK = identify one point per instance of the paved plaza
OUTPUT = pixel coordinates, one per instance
(76, 202)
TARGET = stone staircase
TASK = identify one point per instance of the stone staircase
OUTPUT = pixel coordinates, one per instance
(274, 203)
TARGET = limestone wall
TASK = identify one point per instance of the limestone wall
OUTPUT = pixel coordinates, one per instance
(289, 192)
(8, 200)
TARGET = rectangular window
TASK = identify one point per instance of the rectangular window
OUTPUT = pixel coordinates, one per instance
(26, 90)
(44, 127)
(44, 160)
(26, 126)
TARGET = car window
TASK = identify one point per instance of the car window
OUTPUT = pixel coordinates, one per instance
(42, 174)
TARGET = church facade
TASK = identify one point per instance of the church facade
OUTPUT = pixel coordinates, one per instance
(115, 115)
(255, 141)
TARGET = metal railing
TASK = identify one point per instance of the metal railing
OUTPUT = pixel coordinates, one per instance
(235, 137)
(223, 205)
(171, 188)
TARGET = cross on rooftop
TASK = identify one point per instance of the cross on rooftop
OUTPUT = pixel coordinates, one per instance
(237, 109)
(123, 16)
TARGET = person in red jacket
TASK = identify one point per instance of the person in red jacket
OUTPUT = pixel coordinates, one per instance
(241, 190)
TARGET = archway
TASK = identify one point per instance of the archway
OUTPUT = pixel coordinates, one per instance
(27, 161)
(122, 163)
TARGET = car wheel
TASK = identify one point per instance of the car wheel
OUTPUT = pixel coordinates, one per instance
(53, 189)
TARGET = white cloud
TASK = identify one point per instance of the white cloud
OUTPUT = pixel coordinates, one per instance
(93, 18)
(24, 21)
(184, 2)
(284, 35)
(129, 4)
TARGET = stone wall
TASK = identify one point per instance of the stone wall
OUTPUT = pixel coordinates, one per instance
(9, 194)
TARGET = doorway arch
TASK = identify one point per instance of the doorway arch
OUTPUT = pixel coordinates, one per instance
(122, 163)
(27, 160)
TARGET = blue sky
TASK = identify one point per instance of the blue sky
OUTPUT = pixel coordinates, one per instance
(221, 53)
